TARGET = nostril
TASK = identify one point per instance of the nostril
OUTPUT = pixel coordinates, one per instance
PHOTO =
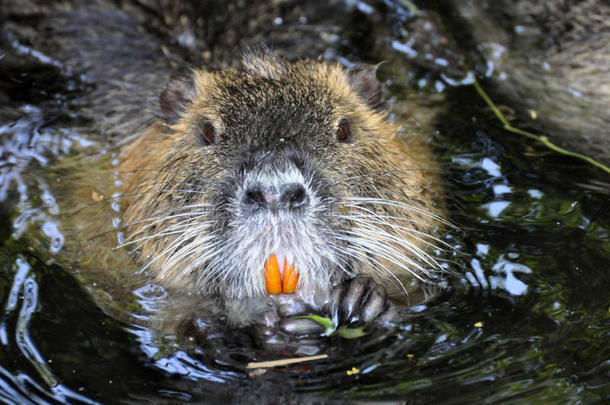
(294, 195)
(255, 196)
(290, 196)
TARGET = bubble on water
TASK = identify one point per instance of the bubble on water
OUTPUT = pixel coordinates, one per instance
(55, 236)
(47, 199)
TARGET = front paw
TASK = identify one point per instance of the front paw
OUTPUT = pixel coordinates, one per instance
(357, 302)
(360, 301)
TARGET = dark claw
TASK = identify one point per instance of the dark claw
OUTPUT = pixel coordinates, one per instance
(352, 299)
(375, 304)
(361, 299)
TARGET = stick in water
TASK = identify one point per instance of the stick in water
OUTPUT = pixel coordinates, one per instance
(284, 362)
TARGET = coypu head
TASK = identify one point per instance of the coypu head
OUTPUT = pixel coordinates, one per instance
(277, 158)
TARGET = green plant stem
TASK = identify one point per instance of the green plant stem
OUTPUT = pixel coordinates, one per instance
(539, 138)
(410, 6)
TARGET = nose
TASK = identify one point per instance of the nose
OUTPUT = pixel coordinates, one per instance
(293, 195)
(289, 196)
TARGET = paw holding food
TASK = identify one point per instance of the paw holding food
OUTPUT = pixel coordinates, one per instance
(360, 301)
(353, 306)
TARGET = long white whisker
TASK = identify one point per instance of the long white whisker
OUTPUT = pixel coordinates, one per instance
(397, 204)
(382, 250)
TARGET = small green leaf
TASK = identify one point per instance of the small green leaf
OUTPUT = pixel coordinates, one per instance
(327, 323)
(331, 328)
(351, 333)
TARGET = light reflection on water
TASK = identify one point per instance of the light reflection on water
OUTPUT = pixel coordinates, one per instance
(23, 300)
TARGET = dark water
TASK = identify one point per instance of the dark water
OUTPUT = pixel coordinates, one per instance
(528, 322)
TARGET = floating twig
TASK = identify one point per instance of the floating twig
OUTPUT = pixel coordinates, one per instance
(285, 362)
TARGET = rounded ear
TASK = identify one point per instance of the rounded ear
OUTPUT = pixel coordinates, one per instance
(177, 94)
(363, 79)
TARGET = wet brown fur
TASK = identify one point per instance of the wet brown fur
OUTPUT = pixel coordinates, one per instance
(167, 158)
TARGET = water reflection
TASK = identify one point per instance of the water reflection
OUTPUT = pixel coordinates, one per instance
(22, 303)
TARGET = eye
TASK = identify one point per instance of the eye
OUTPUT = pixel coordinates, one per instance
(207, 133)
(344, 133)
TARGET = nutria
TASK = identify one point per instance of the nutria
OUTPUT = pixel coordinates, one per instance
(228, 167)
(279, 158)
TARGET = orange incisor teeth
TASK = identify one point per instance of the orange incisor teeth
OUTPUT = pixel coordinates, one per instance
(291, 278)
(273, 277)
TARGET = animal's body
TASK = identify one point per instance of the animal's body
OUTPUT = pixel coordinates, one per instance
(221, 168)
